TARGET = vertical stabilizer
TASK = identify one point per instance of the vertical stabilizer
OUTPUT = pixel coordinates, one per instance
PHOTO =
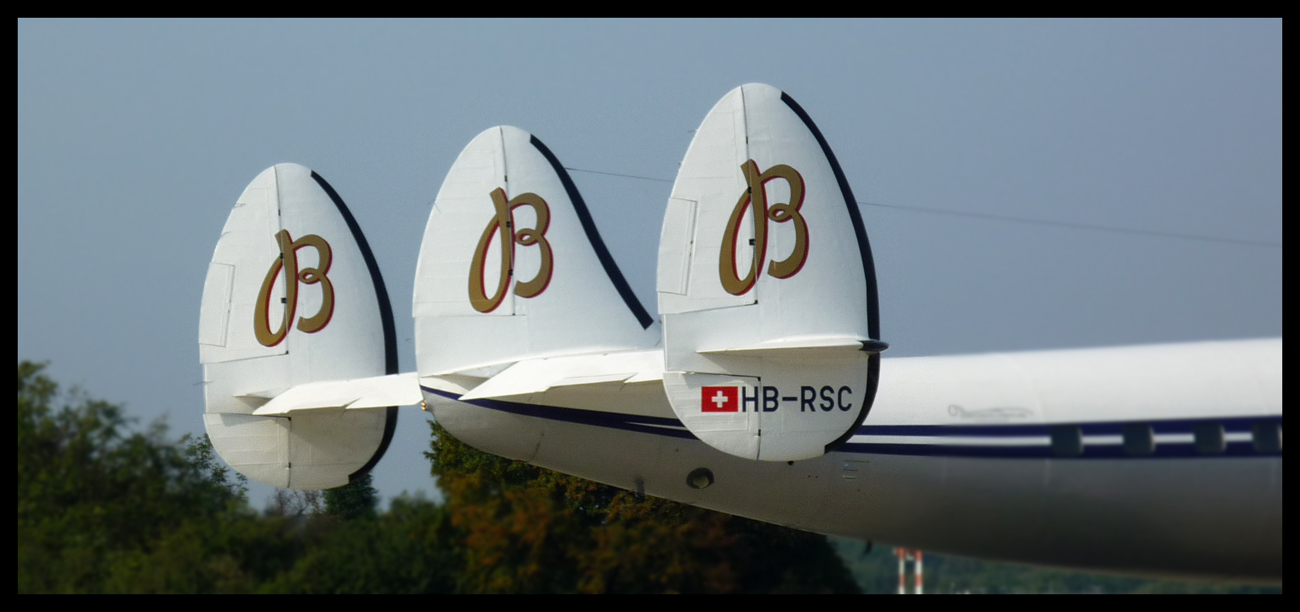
(293, 296)
(512, 267)
(766, 285)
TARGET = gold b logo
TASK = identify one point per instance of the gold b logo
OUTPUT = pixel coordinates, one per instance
(502, 225)
(756, 195)
(288, 262)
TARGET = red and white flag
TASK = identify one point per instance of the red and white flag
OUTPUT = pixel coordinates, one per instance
(720, 399)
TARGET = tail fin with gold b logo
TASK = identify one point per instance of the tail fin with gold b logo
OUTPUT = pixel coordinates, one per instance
(296, 338)
(766, 285)
(512, 267)
(517, 298)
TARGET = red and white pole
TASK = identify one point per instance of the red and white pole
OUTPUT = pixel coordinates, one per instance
(915, 556)
(919, 588)
(902, 570)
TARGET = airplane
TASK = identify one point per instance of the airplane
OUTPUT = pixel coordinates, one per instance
(759, 390)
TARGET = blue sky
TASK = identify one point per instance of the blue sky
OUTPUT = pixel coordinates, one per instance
(135, 138)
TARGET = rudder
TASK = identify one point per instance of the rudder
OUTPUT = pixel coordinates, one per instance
(552, 290)
(262, 333)
(766, 285)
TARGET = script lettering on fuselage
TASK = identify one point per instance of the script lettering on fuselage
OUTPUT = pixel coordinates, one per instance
(502, 226)
(287, 261)
(811, 398)
(755, 196)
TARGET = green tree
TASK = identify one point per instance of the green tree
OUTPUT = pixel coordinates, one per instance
(412, 548)
(528, 529)
(102, 508)
(353, 501)
(92, 494)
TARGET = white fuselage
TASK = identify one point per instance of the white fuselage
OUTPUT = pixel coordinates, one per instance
(1161, 460)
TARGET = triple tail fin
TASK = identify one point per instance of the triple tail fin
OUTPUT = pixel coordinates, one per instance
(766, 285)
(294, 299)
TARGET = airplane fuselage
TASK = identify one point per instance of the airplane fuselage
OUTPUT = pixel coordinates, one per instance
(1161, 460)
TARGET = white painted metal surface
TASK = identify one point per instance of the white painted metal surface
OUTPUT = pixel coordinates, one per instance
(761, 277)
(956, 457)
(558, 298)
(285, 238)
(356, 394)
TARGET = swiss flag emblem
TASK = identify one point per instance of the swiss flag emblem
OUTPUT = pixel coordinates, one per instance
(720, 399)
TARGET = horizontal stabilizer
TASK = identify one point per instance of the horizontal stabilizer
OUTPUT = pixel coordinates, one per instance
(796, 348)
(456, 384)
(374, 392)
(540, 375)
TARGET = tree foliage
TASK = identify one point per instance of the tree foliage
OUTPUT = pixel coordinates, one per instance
(528, 529)
(357, 500)
(104, 508)
(89, 490)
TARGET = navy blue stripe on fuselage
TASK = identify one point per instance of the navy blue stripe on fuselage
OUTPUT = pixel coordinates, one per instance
(935, 440)
(1108, 428)
(1166, 450)
(659, 426)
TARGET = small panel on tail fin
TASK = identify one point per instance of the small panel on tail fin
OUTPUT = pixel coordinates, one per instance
(765, 272)
(293, 297)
